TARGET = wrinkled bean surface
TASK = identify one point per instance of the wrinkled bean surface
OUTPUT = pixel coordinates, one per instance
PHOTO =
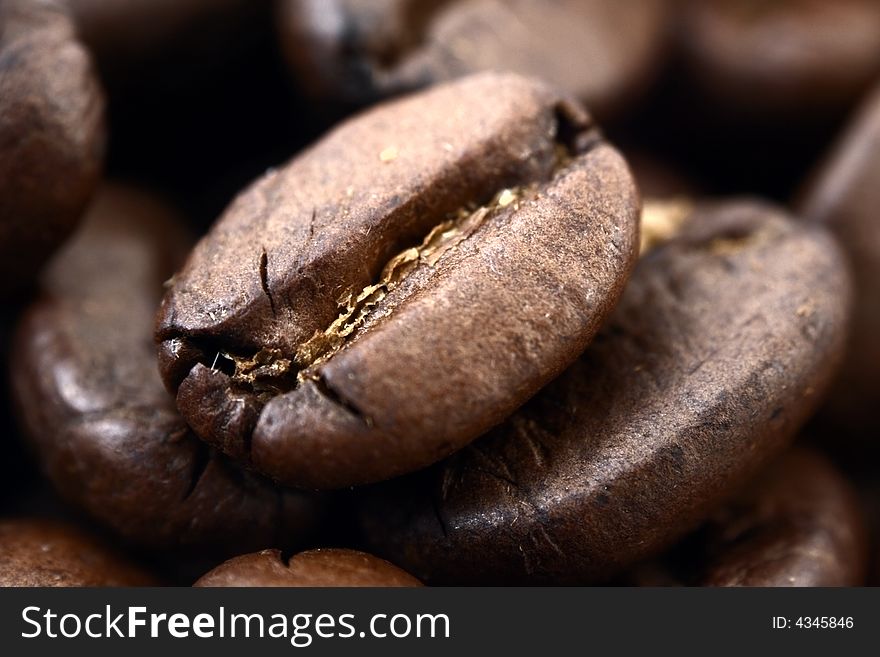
(720, 348)
(402, 286)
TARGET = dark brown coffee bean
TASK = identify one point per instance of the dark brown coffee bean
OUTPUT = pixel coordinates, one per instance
(845, 197)
(49, 553)
(325, 568)
(799, 525)
(601, 51)
(51, 135)
(791, 56)
(402, 286)
(720, 348)
(106, 432)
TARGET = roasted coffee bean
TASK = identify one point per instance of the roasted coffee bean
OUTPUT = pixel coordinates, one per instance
(784, 58)
(49, 553)
(326, 568)
(51, 135)
(91, 401)
(721, 347)
(800, 525)
(402, 286)
(601, 51)
(334, 46)
(845, 197)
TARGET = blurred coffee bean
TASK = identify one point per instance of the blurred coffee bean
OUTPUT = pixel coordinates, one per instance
(845, 197)
(49, 553)
(722, 345)
(324, 568)
(91, 401)
(788, 58)
(800, 524)
(602, 51)
(51, 136)
(334, 46)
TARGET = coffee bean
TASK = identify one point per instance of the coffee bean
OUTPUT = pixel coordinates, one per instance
(721, 347)
(105, 430)
(333, 46)
(786, 58)
(325, 568)
(402, 286)
(51, 136)
(844, 197)
(799, 525)
(49, 553)
(601, 51)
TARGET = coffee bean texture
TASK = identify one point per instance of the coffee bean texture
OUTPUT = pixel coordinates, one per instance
(93, 406)
(800, 524)
(325, 568)
(402, 286)
(48, 553)
(721, 347)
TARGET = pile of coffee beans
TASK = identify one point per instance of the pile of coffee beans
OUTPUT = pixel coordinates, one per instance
(453, 292)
